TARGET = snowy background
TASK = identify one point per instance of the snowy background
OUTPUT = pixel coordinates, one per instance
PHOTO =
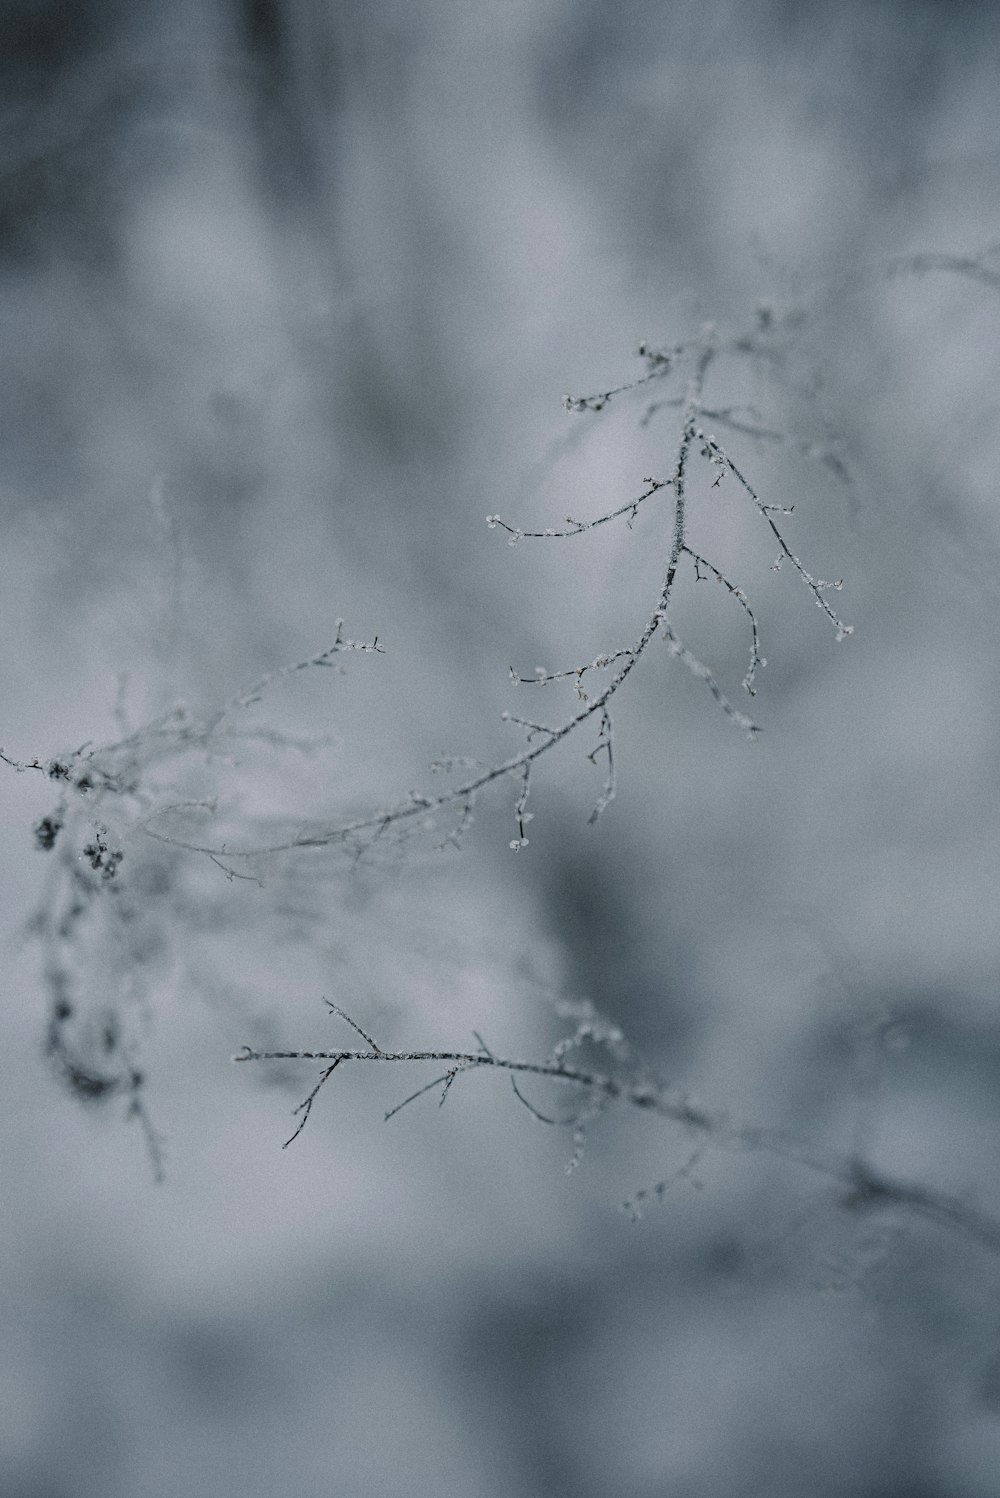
(289, 299)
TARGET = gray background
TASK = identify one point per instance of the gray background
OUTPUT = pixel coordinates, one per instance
(290, 298)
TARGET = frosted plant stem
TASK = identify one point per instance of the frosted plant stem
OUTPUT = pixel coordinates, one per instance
(424, 806)
(865, 1187)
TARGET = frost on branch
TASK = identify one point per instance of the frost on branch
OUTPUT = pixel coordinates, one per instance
(450, 808)
(584, 1091)
(692, 361)
(592, 1068)
(129, 813)
(117, 885)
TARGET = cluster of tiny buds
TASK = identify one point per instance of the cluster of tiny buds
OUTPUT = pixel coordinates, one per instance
(101, 857)
(655, 356)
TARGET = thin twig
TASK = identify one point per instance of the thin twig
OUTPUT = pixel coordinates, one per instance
(406, 811)
(864, 1186)
(756, 659)
(578, 527)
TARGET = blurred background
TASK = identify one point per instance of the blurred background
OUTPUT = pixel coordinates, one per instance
(290, 295)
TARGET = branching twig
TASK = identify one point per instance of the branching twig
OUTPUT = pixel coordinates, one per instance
(763, 342)
(815, 585)
(604, 745)
(633, 1206)
(340, 646)
(756, 659)
(542, 677)
(465, 794)
(579, 527)
(695, 666)
(122, 771)
(864, 1187)
(660, 362)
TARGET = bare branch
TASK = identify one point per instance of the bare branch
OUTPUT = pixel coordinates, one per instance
(633, 1206)
(756, 659)
(336, 1009)
(702, 672)
(604, 745)
(253, 693)
(446, 1079)
(536, 1112)
(578, 527)
(815, 585)
(864, 1187)
(660, 362)
(305, 1107)
(542, 677)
